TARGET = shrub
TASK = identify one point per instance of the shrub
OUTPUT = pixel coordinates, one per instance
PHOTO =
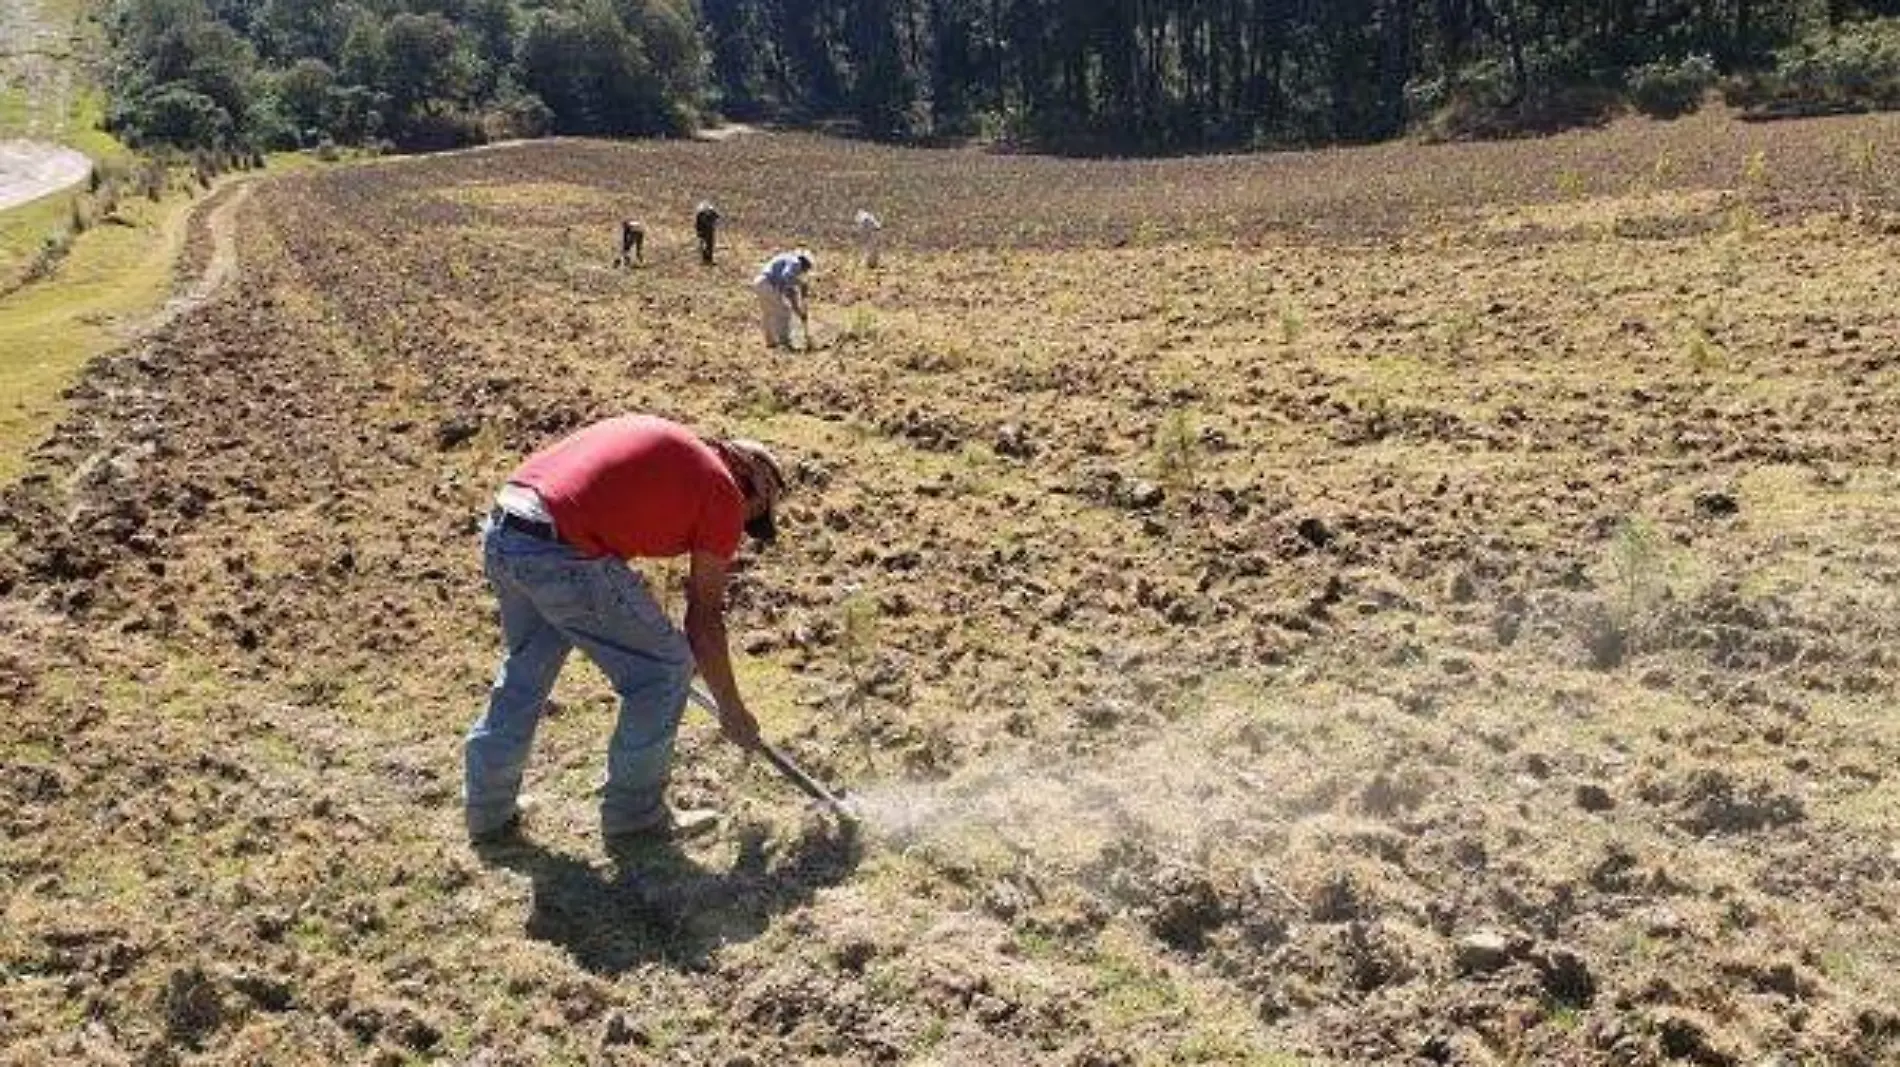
(51, 251)
(151, 180)
(1667, 89)
(437, 130)
(1852, 67)
(1855, 67)
(176, 114)
(516, 113)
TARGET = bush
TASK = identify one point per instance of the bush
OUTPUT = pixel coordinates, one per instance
(268, 124)
(175, 114)
(516, 113)
(1851, 68)
(1667, 89)
(52, 250)
(1484, 100)
(439, 130)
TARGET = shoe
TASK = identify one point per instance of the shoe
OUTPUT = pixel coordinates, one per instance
(509, 830)
(675, 824)
(506, 833)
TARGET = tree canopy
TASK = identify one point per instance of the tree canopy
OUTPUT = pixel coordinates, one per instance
(1107, 75)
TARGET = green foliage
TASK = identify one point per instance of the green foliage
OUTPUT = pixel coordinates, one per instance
(419, 73)
(1043, 73)
(177, 114)
(1641, 570)
(1857, 65)
(1852, 67)
(595, 75)
(1668, 88)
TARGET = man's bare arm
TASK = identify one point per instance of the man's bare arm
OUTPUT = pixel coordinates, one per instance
(706, 632)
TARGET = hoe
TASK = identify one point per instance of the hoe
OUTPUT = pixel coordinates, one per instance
(784, 765)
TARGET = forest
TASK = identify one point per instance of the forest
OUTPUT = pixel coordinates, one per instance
(1085, 76)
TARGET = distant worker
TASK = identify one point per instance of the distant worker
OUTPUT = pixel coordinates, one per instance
(706, 225)
(870, 236)
(633, 240)
(632, 487)
(781, 289)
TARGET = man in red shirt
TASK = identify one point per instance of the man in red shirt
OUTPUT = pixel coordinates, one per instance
(555, 546)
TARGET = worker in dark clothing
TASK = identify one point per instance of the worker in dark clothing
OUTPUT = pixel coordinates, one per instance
(706, 225)
(633, 239)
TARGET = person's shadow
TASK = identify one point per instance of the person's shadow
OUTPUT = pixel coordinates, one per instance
(658, 903)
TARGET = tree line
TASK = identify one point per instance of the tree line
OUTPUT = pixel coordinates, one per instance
(1081, 75)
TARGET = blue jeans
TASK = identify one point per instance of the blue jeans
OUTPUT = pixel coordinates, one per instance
(553, 600)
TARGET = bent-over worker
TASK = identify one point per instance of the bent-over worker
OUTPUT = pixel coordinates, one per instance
(633, 240)
(781, 289)
(555, 549)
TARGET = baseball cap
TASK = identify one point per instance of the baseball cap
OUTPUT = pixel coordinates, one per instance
(761, 477)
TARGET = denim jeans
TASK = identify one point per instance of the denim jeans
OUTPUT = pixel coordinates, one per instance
(553, 600)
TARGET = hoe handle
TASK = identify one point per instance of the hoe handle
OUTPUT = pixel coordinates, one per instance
(783, 764)
(799, 778)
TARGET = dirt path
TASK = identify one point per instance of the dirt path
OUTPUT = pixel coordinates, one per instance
(221, 225)
(32, 169)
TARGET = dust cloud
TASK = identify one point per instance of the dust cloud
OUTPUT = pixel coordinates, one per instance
(1179, 793)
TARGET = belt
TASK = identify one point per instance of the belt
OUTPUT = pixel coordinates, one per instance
(508, 520)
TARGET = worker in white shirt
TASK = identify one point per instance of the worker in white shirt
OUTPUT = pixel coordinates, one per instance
(781, 289)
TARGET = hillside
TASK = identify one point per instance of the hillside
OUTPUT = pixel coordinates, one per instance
(1393, 605)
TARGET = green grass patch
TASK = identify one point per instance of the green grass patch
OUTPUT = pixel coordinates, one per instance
(14, 111)
(84, 130)
(24, 229)
(114, 278)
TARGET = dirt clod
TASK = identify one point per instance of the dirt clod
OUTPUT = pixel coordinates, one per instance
(194, 1008)
(1716, 504)
(1594, 798)
(1483, 952)
(1714, 802)
(453, 432)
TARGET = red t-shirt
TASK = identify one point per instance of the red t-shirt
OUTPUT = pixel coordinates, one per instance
(638, 487)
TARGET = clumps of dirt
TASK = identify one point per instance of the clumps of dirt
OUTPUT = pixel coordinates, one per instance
(101, 954)
(1715, 801)
(1436, 841)
(395, 1022)
(1179, 903)
(193, 1007)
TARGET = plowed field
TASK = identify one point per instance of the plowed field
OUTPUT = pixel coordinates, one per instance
(1399, 605)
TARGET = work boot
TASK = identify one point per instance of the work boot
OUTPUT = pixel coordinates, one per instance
(509, 830)
(666, 823)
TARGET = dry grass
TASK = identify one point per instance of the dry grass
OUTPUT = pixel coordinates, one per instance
(1233, 584)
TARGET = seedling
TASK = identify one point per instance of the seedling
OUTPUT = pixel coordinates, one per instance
(1639, 575)
(1292, 325)
(1176, 451)
(1755, 170)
